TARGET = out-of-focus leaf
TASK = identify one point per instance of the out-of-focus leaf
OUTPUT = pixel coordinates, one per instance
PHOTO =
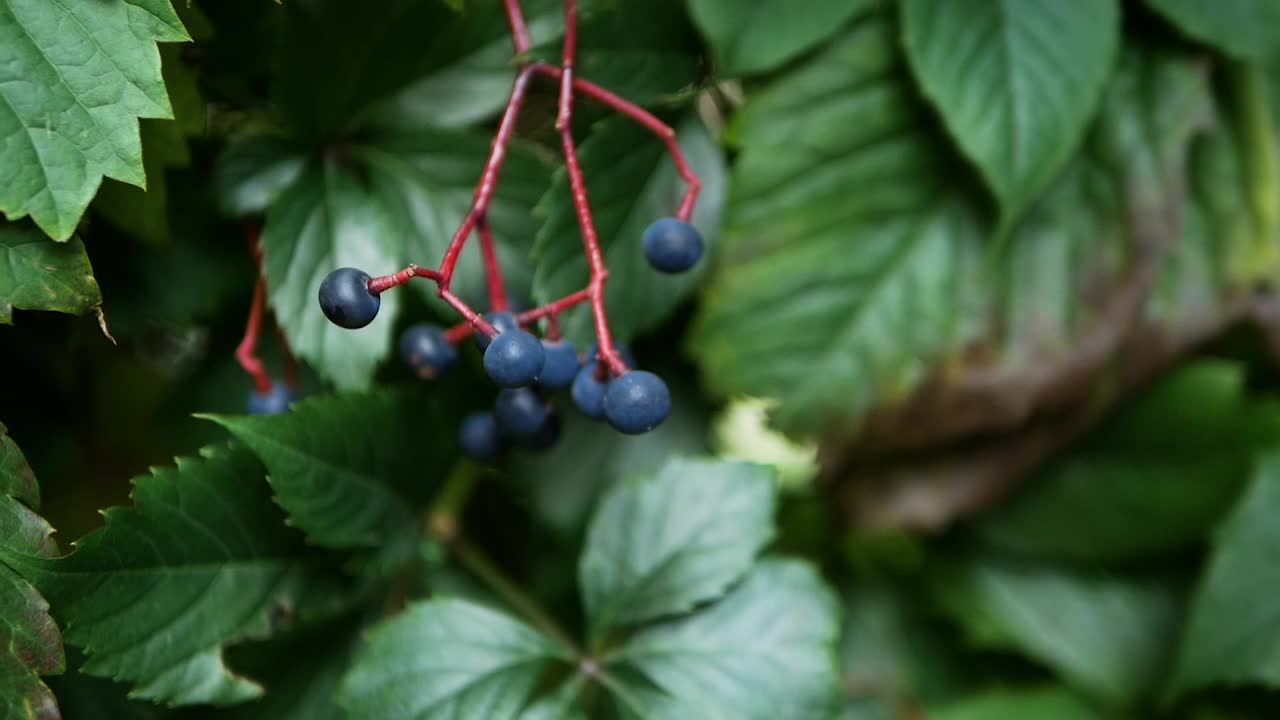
(751, 36)
(1244, 29)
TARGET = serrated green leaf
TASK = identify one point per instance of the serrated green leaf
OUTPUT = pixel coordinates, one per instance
(447, 658)
(1177, 457)
(76, 79)
(1232, 637)
(758, 35)
(661, 545)
(1108, 636)
(632, 183)
(36, 274)
(1016, 82)
(1244, 29)
(252, 171)
(301, 672)
(350, 469)
(16, 477)
(1045, 703)
(200, 561)
(765, 650)
(30, 643)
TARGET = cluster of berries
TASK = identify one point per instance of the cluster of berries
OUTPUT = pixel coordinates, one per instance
(633, 401)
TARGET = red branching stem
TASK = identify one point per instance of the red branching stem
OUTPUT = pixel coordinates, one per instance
(492, 271)
(383, 283)
(246, 351)
(519, 29)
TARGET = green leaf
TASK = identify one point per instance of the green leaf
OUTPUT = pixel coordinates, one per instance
(1244, 29)
(202, 560)
(1044, 703)
(1016, 81)
(349, 469)
(1177, 457)
(447, 658)
(252, 171)
(661, 545)
(30, 644)
(36, 274)
(16, 477)
(632, 182)
(647, 51)
(763, 651)
(77, 77)
(562, 704)
(758, 35)
(301, 671)
(1109, 636)
(1232, 638)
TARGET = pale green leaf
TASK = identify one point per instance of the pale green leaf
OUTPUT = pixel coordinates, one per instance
(750, 36)
(660, 545)
(76, 78)
(36, 274)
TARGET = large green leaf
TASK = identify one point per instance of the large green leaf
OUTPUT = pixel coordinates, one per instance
(755, 35)
(1177, 457)
(349, 468)
(30, 644)
(203, 559)
(1245, 29)
(447, 658)
(631, 183)
(848, 248)
(16, 477)
(1232, 637)
(76, 78)
(253, 170)
(1108, 636)
(1016, 81)
(765, 650)
(36, 274)
(660, 545)
(1043, 703)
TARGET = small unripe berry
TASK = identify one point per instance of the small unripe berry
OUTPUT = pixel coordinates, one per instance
(637, 402)
(346, 300)
(672, 246)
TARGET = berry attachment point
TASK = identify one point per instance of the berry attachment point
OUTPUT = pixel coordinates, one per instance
(672, 246)
(346, 300)
(637, 402)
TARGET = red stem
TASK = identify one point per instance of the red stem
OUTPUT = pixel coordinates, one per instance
(245, 352)
(519, 30)
(492, 272)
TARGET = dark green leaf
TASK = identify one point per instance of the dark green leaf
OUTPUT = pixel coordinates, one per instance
(632, 183)
(447, 659)
(562, 704)
(30, 644)
(644, 50)
(1046, 703)
(36, 274)
(349, 468)
(16, 477)
(202, 560)
(1233, 634)
(1245, 29)
(301, 672)
(750, 36)
(765, 650)
(1108, 636)
(77, 76)
(252, 171)
(661, 545)
(1016, 82)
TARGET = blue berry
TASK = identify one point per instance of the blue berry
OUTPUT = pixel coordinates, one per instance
(672, 246)
(559, 364)
(426, 351)
(520, 412)
(502, 322)
(637, 402)
(479, 436)
(272, 402)
(346, 300)
(513, 359)
(588, 392)
(546, 436)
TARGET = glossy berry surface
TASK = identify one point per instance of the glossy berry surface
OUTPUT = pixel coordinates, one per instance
(546, 436)
(520, 412)
(425, 350)
(346, 300)
(672, 246)
(637, 402)
(273, 402)
(479, 437)
(502, 322)
(513, 359)
(588, 392)
(559, 364)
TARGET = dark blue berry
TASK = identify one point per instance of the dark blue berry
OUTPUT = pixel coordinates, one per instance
(346, 300)
(272, 402)
(502, 322)
(672, 246)
(513, 359)
(559, 364)
(637, 402)
(588, 392)
(546, 437)
(426, 351)
(520, 412)
(479, 436)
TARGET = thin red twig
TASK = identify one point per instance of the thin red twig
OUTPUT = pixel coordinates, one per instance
(245, 351)
(492, 271)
